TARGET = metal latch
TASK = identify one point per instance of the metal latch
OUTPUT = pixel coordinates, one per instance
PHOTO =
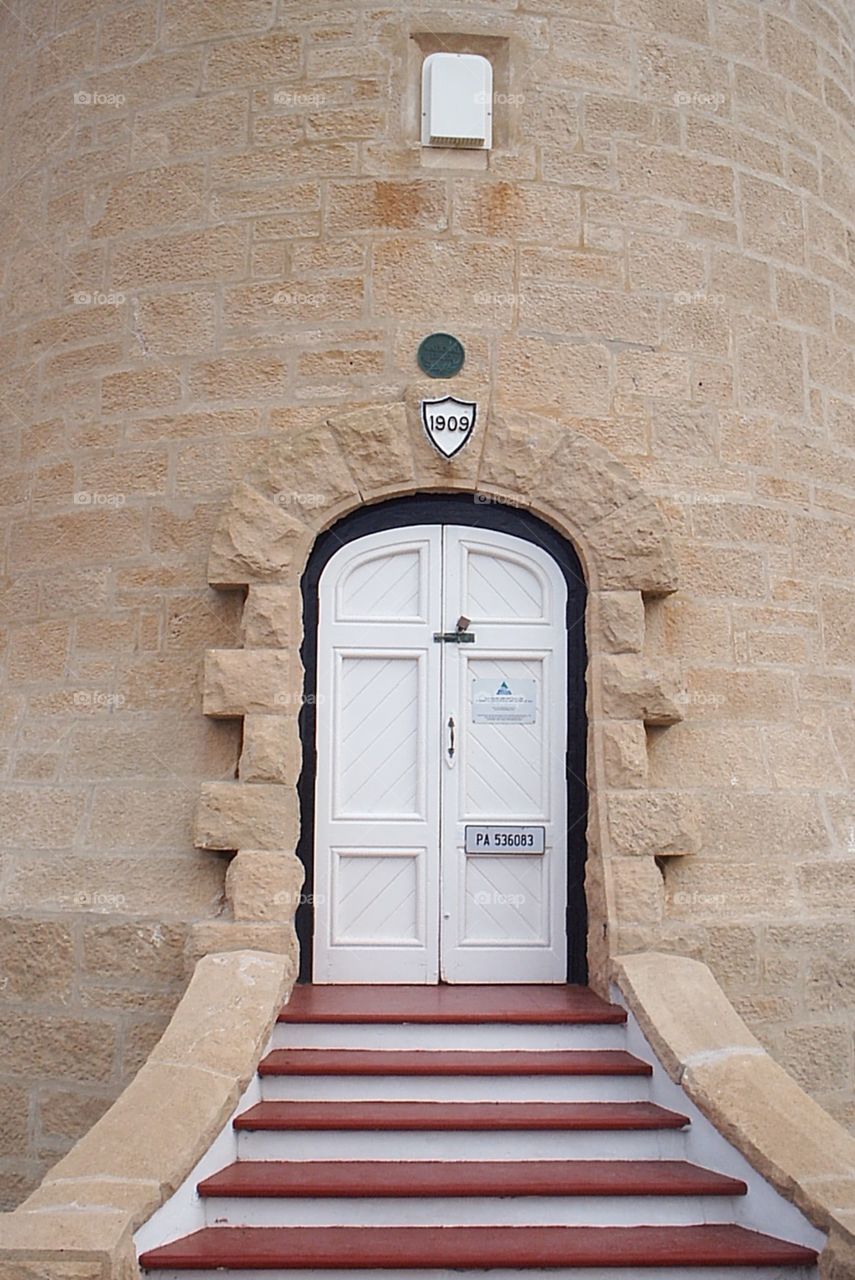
(460, 636)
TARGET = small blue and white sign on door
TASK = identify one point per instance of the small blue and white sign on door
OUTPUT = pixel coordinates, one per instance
(501, 701)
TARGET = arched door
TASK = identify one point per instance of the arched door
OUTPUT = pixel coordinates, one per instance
(440, 817)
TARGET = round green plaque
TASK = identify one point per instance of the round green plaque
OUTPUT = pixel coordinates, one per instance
(440, 355)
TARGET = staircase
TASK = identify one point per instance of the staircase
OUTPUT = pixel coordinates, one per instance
(447, 1131)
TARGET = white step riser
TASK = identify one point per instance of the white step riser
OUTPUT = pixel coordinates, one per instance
(632, 1144)
(456, 1088)
(508, 1211)
(579, 1273)
(489, 1035)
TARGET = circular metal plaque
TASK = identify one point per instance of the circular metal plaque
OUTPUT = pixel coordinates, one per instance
(441, 355)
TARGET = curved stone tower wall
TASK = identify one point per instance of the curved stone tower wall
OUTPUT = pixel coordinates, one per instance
(216, 227)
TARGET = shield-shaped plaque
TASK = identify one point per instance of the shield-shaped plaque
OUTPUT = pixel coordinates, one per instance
(449, 423)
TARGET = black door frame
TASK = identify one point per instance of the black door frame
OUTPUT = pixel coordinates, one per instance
(471, 511)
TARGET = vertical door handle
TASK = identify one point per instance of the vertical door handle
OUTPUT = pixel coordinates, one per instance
(451, 747)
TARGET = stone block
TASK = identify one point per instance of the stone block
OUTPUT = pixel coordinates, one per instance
(376, 447)
(634, 690)
(305, 471)
(625, 753)
(264, 885)
(215, 937)
(638, 891)
(653, 823)
(272, 617)
(272, 751)
(235, 815)
(256, 540)
(240, 681)
(620, 620)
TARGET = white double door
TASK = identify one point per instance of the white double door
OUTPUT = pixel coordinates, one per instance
(418, 746)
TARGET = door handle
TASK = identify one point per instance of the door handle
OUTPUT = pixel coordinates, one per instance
(450, 748)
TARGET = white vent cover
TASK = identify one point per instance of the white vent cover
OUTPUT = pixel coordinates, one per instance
(457, 100)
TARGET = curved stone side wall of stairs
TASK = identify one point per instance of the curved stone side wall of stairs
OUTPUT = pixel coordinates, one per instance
(379, 451)
(80, 1224)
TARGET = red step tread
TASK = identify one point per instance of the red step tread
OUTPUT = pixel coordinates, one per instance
(422, 1062)
(396, 1178)
(456, 1116)
(354, 1248)
(560, 1003)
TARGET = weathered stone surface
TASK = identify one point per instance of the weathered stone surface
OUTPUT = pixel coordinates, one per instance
(633, 690)
(238, 681)
(306, 474)
(639, 893)
(374, 442)
(231, 815)
(655, 823)
(214, 937)
(625, 753)
(432, 471)
(272, 617)
(272, 751)
(263, 885)
(515, 446)
(620, 615)
(255, 540)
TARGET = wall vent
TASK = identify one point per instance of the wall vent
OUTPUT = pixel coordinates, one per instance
(457, 101)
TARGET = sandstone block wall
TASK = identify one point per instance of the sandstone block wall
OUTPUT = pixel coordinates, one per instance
(216, 228)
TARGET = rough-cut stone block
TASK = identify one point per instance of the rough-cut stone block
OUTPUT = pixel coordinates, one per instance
(221, 936)
(306, 473)
(264, 885)
(256, 540)
(632, 548)
(376, 448)
(625, 753)
(272, 751)
(272, 617)
(514, 450)
(621, 621)
(234, 815)
(239, 681)
(655, 823)
(632, 690)
(639, 894)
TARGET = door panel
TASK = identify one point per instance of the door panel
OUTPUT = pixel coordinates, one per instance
(377, 790)
(397, 897)
(503, 916)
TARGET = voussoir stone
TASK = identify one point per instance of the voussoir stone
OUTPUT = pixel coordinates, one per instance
(514, 451)
(431, 468)
(238, 681)
(376, 447)
(236, 815)
(256, 540)
(633, 690)
(306, 474)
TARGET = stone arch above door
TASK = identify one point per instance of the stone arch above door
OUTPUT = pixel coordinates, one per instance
(312, 477)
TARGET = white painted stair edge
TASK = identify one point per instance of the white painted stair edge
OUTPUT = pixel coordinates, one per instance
(762, 1209)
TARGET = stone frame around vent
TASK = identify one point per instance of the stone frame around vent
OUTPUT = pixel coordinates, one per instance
(378, 451)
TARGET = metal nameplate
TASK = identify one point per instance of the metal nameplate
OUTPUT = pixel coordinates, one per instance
(505, 840)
